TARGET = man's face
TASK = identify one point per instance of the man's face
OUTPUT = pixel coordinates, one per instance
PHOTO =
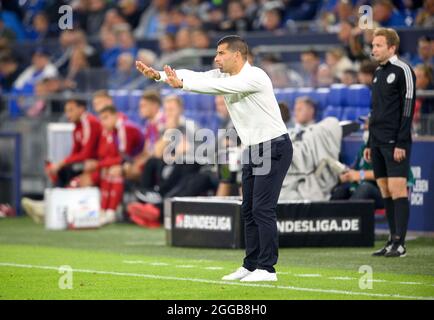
(147, 108)
(73, 112)
(225, 59)
(309, 62)
(108, 120)
(172, 110)
(424, 49)
(303, 113)
(101, 102)
(39, 61)
(421, 80)
(380, 50)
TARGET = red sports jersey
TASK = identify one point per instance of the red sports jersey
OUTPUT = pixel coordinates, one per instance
(126, 141)
(86, 137)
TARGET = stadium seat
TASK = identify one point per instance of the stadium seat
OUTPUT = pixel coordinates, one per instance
(121, 99)
(350, 113)
(338, 95)
(134, 99)
(332, 111)
(322, 96)
(286, 95)
(359, 95)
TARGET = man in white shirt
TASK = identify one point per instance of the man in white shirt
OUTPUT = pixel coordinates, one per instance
(252, 106)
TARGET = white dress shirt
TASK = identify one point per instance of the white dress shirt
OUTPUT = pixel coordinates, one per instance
(249, 97)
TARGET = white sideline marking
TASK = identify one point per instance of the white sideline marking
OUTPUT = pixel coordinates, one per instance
(185, 266)
(307, 275)
(342, 278)
(159, 264)
(302, 275)
(213, 268)
(240, 284)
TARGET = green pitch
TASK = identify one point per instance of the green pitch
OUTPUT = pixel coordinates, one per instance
(126, 262)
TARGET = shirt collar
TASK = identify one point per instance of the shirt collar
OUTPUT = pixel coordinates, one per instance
(392, 59)
(246, 67)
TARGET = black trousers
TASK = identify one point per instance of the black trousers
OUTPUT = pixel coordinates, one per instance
(365, 191)
(260, 194)
(67, 173)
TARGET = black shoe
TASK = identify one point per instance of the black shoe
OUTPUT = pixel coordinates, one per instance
(382, 252)
(148, 196)
(398, 250)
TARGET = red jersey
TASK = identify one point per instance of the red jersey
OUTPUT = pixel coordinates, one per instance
(86, 137)
(124, 142)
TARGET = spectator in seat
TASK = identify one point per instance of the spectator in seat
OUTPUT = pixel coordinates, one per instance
(358, 182)
(120, 141)
(304, 115)
(86, 135)
(40, 28)
(150, 24)
(158, 177)
(130, 11)
(424, 108)
(366, 72)
(349, 77)
(110, 50)
(236, 21)
(149, 109)
(387, 15)
(338, 62)
(125, 72)
(91, 16)
(310, 62)
(425, 17)
(272, 21)
(324, 76)
(425, 54)
(101, 99)
(40, 68)
(10, 69)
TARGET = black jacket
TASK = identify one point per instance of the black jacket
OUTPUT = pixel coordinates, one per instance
(393, 99)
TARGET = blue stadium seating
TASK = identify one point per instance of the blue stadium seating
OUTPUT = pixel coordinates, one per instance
(322, 96)
(332, 111)
(338, 95)
(359, 95)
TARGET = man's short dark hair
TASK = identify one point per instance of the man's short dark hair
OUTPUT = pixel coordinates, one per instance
(109, 109)
(368, 67)
(235, 43)
(153, 96)
(308, 101)
(79, 102)
(311, 52)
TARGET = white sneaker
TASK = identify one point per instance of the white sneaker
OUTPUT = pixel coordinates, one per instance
(260, 275)
(110, 216)
(34, 209)
(237, 275)
(101, 217)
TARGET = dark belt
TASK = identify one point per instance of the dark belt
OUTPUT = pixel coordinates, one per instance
(283, 137)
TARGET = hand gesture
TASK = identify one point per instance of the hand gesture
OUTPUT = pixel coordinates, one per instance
(147, 71)
(172, 78)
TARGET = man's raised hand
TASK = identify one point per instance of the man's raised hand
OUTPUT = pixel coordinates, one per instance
(172, 79)
(147, 71)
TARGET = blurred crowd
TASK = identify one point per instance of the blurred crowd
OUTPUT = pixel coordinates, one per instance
(100, 50)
